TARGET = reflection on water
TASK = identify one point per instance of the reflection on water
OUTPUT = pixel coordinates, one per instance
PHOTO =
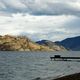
(29, 65)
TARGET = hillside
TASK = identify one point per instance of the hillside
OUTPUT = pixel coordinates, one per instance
(20, 43)
(51, 45)
(71, 43)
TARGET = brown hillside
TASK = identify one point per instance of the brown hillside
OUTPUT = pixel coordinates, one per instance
(20, 43)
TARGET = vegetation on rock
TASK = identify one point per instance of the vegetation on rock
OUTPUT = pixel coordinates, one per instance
(20, 43)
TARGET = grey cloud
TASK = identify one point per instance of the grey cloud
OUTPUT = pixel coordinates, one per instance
(54, 9)
(40, 7)
(40, 27)
(73, 25)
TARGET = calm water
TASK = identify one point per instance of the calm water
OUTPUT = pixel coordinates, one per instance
(29, 65)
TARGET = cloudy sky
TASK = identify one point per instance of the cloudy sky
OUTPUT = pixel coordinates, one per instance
(40, 19)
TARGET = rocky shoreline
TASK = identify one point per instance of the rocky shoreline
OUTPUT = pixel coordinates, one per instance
(75, 76)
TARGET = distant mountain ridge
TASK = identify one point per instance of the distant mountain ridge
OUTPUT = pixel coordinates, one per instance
(51, 45)
(70, 43)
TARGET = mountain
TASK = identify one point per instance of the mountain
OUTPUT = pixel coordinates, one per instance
(20, 43)
(51, 45)
(70, 43)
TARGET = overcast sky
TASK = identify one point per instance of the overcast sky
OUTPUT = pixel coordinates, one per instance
(40, 19)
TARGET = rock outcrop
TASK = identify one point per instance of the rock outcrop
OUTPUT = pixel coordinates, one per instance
(20, 43)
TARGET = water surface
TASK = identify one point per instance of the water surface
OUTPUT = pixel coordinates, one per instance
(29, 65)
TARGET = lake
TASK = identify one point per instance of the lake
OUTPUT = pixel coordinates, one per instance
(29, 65)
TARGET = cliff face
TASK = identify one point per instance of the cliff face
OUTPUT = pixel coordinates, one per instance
(13, 43)
(51, 45)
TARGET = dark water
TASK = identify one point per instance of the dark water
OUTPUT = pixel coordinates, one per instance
(29, 65)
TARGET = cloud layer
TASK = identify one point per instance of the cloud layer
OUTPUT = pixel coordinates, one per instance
(40, 19)
(40, 27)
(41, 7)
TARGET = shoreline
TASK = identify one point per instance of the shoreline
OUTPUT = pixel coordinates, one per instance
(75, 76)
